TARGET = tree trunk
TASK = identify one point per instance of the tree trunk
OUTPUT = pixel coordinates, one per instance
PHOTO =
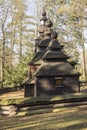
(83, 49)
(2, 58)
(20, 42)
(84, 60)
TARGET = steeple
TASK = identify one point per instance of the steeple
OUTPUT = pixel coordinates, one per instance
(41, 29)
(42, 24)
(43, 40)
(45, 30)
(43, 18)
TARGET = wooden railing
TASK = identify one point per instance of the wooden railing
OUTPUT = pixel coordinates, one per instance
(40, 107)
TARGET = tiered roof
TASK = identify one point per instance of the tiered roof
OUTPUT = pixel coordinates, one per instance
(56, 69)
(55, 55)
(54, 52)
(55, 61)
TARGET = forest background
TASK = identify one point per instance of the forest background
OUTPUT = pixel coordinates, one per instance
(19, 24)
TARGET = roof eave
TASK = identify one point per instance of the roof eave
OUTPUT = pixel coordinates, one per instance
(66, 75)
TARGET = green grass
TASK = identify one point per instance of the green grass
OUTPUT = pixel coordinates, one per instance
(8, 101)
(56, 118)
(64, 119)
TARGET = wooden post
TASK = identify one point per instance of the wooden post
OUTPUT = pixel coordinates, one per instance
(10, 110)
(35, 87)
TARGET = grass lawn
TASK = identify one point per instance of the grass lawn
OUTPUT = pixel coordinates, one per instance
(65, 119)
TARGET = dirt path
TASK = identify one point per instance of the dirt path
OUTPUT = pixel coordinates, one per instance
(15, 94)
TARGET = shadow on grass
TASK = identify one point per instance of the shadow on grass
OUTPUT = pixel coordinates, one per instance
(47, 126)
(78, 126)
(63, 120)
(52, 121)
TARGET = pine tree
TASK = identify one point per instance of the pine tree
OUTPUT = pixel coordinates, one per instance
(16, 40)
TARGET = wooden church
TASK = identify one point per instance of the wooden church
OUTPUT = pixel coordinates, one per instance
(50, 71)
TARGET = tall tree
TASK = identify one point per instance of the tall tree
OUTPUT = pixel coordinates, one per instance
(4, 10)
(17, 32)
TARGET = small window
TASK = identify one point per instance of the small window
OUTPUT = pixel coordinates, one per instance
(58, 82)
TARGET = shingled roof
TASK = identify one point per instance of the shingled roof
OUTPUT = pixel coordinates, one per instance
(44, 43)
(55, 55)
(54, 45)
(37, 59)
(56, 69)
